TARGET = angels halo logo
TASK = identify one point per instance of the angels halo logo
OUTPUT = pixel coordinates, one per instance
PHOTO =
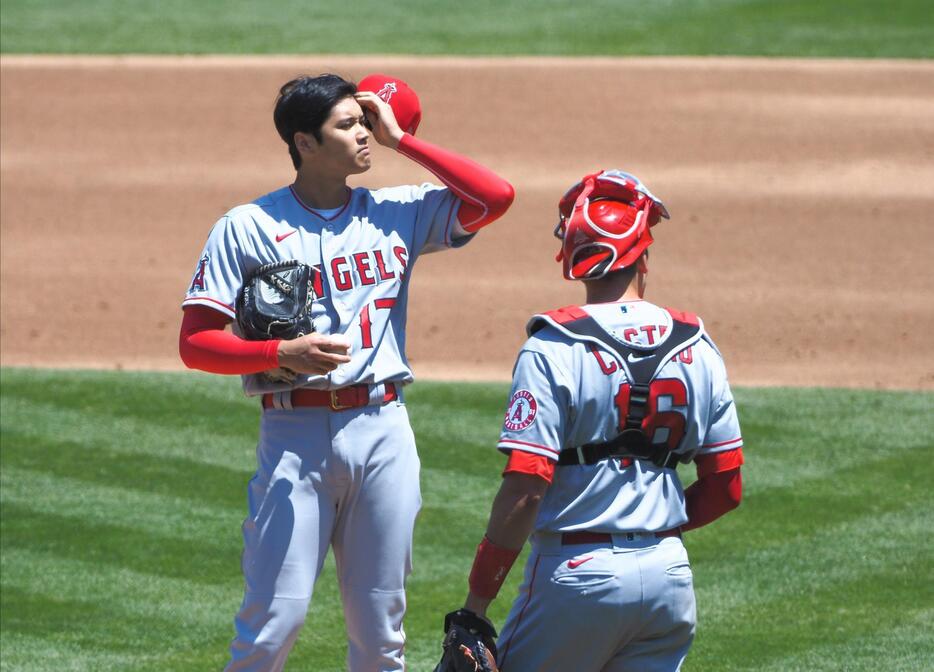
(386, 92)
(521, 412)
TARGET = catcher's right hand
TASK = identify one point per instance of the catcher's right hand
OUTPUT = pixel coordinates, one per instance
(469, 644)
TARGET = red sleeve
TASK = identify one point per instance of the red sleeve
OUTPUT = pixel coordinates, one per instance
(711, 463)
(521, 462)
(203, 344)
(711, 496)
(485, 195)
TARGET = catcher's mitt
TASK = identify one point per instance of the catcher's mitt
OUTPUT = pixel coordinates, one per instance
(469, 644)
(275, 302)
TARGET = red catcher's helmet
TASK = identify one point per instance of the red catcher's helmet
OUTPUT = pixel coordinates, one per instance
(400, 97)
(604, 223)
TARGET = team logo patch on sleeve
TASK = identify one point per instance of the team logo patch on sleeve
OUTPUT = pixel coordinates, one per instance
(197, 281)
(521, 412)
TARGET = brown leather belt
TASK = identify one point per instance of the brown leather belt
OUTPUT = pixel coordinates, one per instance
(571, 538)
(353, 396)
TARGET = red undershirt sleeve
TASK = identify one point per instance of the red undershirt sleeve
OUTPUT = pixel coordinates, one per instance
(485, 195)
(204, 344)
(521, 462)
(718, 489)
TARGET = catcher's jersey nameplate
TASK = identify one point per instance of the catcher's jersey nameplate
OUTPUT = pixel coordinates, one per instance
(521, 412)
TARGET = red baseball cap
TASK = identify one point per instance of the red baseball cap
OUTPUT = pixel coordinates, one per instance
(400, 96)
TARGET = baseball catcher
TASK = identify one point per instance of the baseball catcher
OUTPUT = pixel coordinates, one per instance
(469, 644)
(608, 398)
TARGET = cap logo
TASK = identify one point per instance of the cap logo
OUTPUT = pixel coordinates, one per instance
(386, 92)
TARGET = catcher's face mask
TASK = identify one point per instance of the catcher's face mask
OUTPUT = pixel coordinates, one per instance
(604, 223)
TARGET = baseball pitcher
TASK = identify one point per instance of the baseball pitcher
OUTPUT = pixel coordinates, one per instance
(315, 277)
(608, 399)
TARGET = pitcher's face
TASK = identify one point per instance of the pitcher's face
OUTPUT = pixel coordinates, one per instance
(344, 148)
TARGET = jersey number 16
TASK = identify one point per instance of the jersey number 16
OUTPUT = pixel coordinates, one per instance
(672, 421)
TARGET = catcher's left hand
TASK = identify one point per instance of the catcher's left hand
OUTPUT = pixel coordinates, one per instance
(469, 644)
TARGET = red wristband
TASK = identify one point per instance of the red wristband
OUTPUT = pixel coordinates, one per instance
(490, 567)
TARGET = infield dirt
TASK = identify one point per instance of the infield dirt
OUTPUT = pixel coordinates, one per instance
(801, 195)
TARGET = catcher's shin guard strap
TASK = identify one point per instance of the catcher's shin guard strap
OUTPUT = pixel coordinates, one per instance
(490, 567)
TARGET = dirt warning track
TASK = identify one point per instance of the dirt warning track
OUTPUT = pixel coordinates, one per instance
(800, 193)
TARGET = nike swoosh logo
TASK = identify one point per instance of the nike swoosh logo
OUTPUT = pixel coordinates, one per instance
(574, 564)
(282, 236)
(632, 358)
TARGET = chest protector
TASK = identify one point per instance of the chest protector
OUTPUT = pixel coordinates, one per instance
(641, 365)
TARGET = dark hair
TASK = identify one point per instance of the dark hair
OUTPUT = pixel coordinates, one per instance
(626, 274)
(303, 105)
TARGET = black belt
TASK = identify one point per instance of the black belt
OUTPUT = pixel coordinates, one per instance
(591, 453)
(571, 538)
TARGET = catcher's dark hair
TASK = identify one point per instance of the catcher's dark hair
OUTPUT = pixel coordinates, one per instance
(625, 274)
(303, 105)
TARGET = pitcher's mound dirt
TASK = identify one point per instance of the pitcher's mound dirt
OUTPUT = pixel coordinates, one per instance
(800, 195)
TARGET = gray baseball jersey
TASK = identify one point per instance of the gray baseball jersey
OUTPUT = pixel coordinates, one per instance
(362, 253)
(631, 595)
(567, 392)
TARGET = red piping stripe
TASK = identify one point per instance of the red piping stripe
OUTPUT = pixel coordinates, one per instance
(521, 613)
(318, 214)
(525, 443)
(208, 298)
(721, 443)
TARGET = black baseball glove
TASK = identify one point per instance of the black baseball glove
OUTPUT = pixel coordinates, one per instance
(469, 644)
(275, 302)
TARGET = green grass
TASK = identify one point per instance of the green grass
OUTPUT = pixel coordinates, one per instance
(123, 493)
(829, 28)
